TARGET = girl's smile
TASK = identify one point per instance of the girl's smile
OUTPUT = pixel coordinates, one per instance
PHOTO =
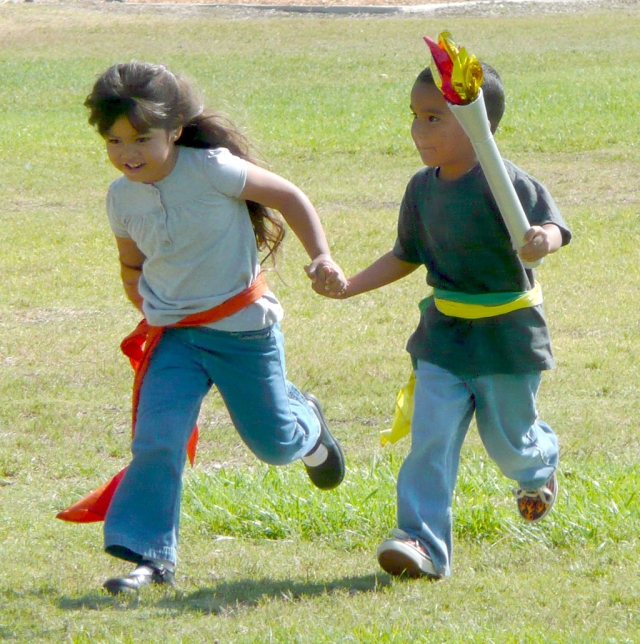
(146, 157)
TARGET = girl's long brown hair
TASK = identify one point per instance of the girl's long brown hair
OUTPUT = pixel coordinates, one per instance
(151, 96)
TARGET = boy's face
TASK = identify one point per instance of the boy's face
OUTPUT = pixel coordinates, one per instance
(145, 157)
(439, 137)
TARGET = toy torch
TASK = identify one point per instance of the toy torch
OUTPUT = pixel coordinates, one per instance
(459, 77)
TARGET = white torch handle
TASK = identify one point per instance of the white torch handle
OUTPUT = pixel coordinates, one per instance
(474, 121)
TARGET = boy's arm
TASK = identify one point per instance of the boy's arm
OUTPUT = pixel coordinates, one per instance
(131, 260)
(383, 271)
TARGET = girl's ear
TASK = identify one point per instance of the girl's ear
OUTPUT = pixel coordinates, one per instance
(176, 134)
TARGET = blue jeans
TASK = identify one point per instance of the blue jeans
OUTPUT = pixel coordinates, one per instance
(271, 416)
(524, 448)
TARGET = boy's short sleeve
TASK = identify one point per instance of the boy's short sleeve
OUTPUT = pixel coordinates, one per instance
(537, 202)
(405, 248)
(225, 172)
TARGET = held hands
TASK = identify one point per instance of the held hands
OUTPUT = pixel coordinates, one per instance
(326, 277)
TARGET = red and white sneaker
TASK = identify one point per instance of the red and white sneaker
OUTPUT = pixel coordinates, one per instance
(534, 505)
(404, 555)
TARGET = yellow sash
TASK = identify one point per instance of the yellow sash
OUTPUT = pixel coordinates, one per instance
(473, 308)
(457, 305)
(401, 425)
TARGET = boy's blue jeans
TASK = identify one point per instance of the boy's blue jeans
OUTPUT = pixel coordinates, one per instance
(523, 447)
(270, 414)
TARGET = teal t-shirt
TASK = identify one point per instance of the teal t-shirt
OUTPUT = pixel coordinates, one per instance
(455, 229)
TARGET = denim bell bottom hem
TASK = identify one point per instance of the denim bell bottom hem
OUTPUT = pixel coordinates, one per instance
(269, 413)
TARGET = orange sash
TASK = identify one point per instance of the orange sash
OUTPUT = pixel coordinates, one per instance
(138, 346)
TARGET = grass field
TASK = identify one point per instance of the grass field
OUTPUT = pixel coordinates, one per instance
(264, 556)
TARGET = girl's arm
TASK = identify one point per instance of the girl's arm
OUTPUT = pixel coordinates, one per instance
(273, 191)
(131, 260)
(383, 271)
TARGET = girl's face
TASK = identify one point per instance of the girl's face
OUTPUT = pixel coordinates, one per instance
(439, 137)
(147, 157)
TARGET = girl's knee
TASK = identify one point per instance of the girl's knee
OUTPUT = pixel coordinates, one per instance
(279, 448)
(275, 454)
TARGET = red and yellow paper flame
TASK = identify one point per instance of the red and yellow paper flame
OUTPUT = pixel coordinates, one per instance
(457, 73)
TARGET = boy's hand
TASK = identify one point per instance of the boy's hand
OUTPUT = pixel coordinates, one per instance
(326, 277)
(540, 241)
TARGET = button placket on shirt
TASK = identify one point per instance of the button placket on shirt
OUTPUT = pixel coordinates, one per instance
(162, 225)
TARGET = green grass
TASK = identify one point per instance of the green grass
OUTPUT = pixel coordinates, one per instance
(264, 556)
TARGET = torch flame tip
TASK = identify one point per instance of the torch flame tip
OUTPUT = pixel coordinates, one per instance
(457, 73)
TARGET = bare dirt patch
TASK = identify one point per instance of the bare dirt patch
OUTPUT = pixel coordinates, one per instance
(479, 4)
(320, 3)
(242, 8)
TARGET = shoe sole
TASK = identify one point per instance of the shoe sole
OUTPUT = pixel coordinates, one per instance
(547, 507)
(401, 560)
(133, 583)
(117, 587)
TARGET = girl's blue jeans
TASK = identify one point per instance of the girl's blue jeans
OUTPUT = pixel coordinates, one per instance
(524, 448)
(271, 416)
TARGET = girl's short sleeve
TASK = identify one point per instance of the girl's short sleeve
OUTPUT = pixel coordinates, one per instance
(115, 215)
(226, 172)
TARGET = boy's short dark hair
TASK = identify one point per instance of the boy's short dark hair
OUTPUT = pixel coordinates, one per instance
(492, 90)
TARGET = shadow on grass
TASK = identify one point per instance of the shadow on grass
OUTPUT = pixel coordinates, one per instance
(227, 596)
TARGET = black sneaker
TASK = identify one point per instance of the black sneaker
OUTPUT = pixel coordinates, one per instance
(328, 473)
(147, 573)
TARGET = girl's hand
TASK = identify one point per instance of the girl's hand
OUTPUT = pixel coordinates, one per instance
(326, 277)
(540, 241)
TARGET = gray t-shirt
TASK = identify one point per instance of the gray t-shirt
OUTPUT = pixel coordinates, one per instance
(197, 237)
(455, 229)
